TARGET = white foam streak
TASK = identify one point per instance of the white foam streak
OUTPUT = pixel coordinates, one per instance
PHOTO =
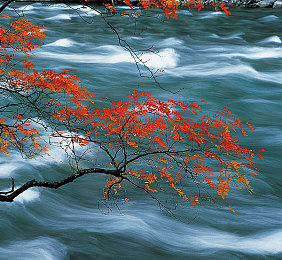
(88, 11)
(198, 238)
(62, 43)
(25, 8)
(175, 236)
(27, 196)
(85, 10)
(211, 15)
(165, 58)
(185, 12)
(269, 18)
(201, 70)
(275, 39)
(88, 58)
(255, 53)
(42, 248)
(264, 243)
(57, 6)
(60, 17)
(170, 42)
(233, 36)
(6, 169)
(60, 147)
(223, 69)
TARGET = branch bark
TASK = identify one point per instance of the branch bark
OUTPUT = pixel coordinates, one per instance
(11, 195)
(5, 5)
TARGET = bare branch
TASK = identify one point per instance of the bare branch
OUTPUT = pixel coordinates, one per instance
(11, 195)
(3, 6)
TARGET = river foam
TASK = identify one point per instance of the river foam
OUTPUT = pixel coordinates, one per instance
(164, 58)
(43, 248)
(255, 53)
(232, 36)
(27, 196)
(265, 243)
(62, 43)
(224, 69)
(60, 17)
(74, 222)
(7, 169)
(271, 39)
(269, 18)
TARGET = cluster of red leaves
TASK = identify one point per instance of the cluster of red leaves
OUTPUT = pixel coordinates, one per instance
(172, 144)
(22, 36)
(177, 145)
(160, 135)
(170, 7)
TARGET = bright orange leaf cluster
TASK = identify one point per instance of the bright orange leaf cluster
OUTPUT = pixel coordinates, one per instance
(20, 36)
(170, 7)
(148, 142)
(19, 79)
(163, 136)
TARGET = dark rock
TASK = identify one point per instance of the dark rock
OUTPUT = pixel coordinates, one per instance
(266, 3)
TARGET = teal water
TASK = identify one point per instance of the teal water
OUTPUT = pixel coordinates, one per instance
(231, 61)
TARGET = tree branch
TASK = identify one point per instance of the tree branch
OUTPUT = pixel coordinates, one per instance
(5, 5)
(12, 194)
(166, 152)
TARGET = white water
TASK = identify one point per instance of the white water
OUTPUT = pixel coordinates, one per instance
(230, 62)
(165, 58)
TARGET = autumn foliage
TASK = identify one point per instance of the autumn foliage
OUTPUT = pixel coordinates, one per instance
(170, 7)
(142, 140)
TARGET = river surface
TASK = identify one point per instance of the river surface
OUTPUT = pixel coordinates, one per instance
(233, 62)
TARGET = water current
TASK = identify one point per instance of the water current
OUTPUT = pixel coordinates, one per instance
(233, 62)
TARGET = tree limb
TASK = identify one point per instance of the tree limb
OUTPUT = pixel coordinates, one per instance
(12, 194)
(5, 5)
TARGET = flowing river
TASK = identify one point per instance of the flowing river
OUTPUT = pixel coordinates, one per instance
(233, 62)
